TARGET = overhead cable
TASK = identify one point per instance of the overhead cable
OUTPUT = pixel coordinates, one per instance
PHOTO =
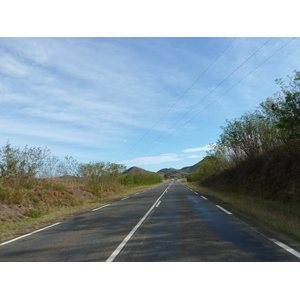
(223, 93)
(180, 97)
(204, 97)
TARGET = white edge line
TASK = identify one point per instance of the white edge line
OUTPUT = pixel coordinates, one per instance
(287, 248)
(227, 212)
(100, 207)
(282, 245)
(131, 233)
(124, 198)
(196, 193)
(22, 236)
(157, 205)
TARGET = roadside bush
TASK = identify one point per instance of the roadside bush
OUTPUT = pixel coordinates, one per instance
(193, 177)
(2, 194)
(259, 152)
(146, 178)
(210, 166)
(274, 125)
(34, 213)
(20, 166)
(128, 179)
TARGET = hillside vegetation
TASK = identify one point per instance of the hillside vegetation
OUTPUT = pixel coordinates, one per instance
(260, 151)
(138, 176)
(34, 183)
(181, 173)
(258, 154)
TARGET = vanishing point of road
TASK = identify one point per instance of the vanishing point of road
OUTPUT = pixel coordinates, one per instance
(169, 222)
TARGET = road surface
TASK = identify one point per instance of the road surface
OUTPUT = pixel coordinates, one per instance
(169, 222)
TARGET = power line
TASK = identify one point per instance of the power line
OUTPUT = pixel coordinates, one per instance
(180, 97)
(223, 93)
(202, 99)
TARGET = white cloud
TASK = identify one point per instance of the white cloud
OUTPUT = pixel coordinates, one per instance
(99, 93)
(11, 67)
(152, 160)
(53, 132)
(205, 148)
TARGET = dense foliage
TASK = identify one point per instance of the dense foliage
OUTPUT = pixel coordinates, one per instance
(260, 141)
(275, 124)
(208, 167)
(141, 179)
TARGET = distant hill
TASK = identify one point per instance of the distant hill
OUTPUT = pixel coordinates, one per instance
(191, 169)
(171, 171)
(135, 170)
(179, 173)
(167, 171)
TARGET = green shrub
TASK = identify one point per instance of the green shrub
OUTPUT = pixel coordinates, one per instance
(128, 179)
(59, 187)
(34, 213)
(2, 195)
(146, 178)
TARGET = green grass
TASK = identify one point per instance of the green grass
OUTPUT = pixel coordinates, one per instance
(34, 213)
(275, 214)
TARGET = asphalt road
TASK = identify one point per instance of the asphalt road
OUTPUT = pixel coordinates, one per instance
(167, 223)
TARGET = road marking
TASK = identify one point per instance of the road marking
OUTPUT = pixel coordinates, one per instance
(100, 207)
(287, 248)
(196, 193)
(158, 204)
(204, 197)
(124, 198)
(131, 233)
(22, 236)
(227, 212)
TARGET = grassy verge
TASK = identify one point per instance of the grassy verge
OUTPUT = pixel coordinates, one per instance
(15, 228)
(276, 215)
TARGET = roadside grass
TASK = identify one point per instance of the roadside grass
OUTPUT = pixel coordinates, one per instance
(43, 216)
(276, 215)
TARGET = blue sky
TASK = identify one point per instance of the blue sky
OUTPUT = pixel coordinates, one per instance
(136, 101)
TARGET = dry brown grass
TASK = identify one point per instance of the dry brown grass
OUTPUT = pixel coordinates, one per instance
(19, 203)
(43, 205)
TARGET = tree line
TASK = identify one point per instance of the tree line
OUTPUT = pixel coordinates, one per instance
(24, 166)
(274, 126)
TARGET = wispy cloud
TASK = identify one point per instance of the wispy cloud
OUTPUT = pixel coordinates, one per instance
(205, 148)
(10, 66)
(152, 160)
(92, 94)
(98, 85)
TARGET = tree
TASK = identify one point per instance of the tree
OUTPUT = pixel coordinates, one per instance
(23, 164)
(167, 176)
